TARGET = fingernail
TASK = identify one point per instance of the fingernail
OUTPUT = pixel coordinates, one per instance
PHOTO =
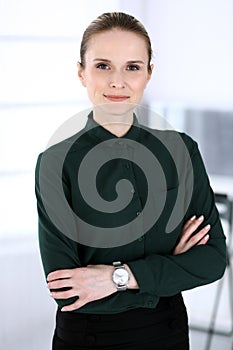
(200, 218)
(207, 237)
(193, 217)
(207, 227)
(63, 309)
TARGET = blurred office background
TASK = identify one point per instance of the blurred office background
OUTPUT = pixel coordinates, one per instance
(192, 87)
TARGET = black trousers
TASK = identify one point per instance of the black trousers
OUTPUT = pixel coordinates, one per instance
(162, 328)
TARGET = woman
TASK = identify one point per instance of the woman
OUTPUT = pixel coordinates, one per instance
(124, 293)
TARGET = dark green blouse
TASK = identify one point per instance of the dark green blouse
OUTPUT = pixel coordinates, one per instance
(76, 228)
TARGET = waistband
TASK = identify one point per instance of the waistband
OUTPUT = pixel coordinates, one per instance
(165, 303)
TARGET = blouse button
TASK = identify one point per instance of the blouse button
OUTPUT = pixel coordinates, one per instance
(90, 339)
(150, 303)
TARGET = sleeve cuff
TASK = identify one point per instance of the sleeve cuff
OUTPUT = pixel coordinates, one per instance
(143, 275)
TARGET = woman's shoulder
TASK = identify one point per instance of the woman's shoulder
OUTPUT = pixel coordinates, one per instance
(171, 138)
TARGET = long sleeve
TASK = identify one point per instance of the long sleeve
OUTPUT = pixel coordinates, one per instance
(165, 275)
(57, 250)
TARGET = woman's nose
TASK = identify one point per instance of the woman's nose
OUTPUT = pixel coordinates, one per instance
(117, 81)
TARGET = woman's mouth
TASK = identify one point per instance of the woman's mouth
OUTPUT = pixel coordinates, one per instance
(116, 98)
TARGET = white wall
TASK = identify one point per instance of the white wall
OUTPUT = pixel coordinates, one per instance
(193, 50)
(194, 41)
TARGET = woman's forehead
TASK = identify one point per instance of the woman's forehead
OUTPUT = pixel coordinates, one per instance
(117, 42)
(116, 34)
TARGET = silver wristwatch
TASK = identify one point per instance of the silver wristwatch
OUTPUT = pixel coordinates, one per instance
(120, 276)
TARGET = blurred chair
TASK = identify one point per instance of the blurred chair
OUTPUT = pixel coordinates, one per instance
(225, 208)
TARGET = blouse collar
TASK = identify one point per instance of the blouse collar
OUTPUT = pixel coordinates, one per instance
(97, 131)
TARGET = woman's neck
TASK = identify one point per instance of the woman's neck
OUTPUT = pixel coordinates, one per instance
(118, 125)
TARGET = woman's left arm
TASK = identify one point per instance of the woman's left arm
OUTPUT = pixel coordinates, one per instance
(166, 275)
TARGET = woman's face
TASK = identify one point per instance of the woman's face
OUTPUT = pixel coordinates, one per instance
(116, 70)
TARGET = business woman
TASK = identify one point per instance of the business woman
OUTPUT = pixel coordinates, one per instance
(118, 286)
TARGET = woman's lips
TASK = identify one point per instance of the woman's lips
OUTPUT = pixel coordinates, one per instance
(116, 98)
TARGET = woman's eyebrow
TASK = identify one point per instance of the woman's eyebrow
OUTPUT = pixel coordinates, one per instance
(136, 62)
(128, 62)
(102, 60)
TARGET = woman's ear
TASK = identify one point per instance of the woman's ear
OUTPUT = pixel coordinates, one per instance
(150, 72)
(81, 74)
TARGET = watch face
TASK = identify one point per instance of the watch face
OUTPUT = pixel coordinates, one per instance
(120, 276)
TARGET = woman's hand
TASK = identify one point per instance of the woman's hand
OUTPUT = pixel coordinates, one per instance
(187, 241)
(88, 283)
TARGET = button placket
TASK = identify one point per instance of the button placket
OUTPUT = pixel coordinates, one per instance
(90, 339)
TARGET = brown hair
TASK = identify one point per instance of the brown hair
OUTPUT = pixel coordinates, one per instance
(111, 20)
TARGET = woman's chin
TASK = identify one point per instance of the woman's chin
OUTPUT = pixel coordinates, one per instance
(115, 108)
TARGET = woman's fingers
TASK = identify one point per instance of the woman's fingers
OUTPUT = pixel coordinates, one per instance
(206, 237)
(64, 295)
(194, 240)
(55, 275)
(189, 222)
(204, 240)
(189, 238)
(76, 305)
(191, 228)
(65, 283)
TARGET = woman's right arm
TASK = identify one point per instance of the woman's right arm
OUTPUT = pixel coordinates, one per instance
(57, 250)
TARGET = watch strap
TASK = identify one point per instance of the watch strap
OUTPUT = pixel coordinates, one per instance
(118, 264)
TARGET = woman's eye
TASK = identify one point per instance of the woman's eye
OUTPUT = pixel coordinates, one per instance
(102, 66)
(132, 67)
